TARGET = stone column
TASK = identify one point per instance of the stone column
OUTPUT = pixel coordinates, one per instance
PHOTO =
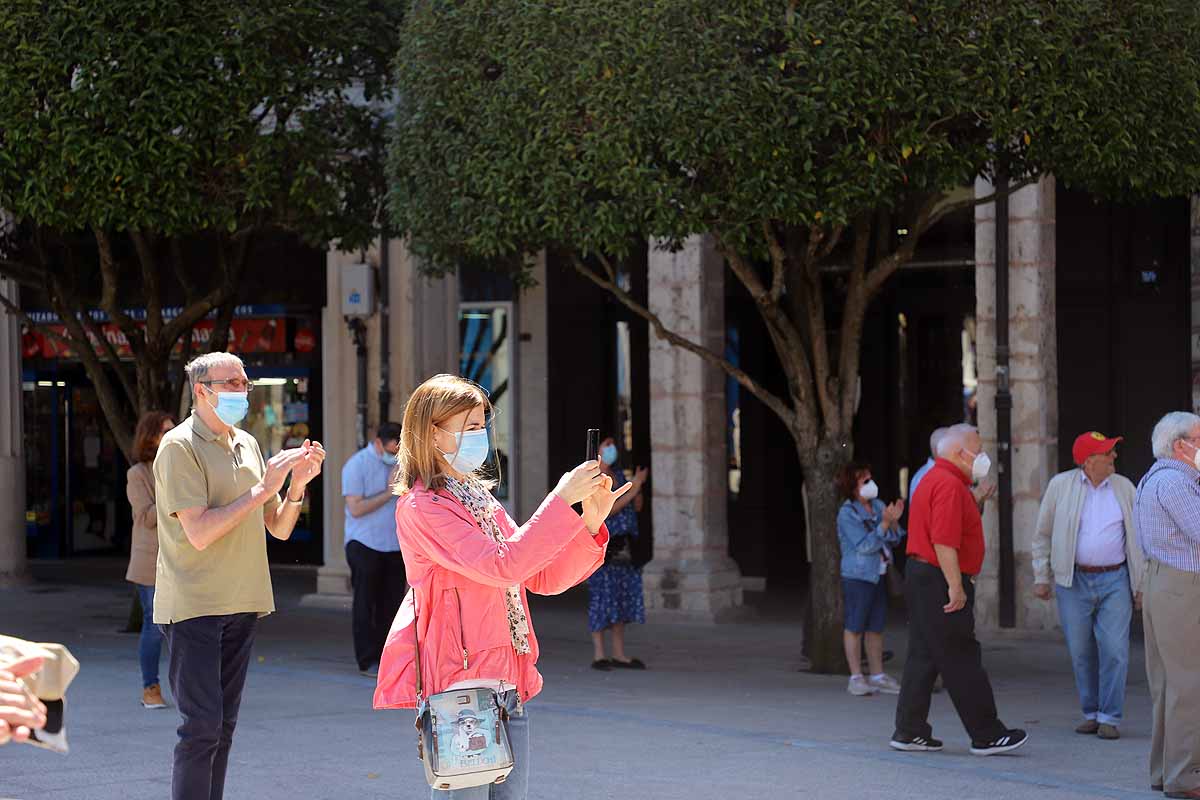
(424, 341)
(1033, 379)
(12, 454)
(692, 575)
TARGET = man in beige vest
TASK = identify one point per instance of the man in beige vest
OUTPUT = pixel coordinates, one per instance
(217, 500)
(1086, 544)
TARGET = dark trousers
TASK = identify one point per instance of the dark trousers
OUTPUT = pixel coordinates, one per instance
(941, 643)
(209, 657)
(379, 586)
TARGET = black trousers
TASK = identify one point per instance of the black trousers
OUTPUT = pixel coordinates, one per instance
(943, 643)
(209, 657)
(379, 587)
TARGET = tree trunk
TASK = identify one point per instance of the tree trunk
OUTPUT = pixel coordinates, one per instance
(823, 632)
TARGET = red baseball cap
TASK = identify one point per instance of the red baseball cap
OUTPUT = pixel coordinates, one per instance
(1092, 443)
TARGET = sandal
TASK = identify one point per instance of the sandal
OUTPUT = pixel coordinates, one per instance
(602, 664)
(633, 663)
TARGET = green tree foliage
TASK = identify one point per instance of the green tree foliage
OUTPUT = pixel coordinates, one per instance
(131, 129)
(796, 134)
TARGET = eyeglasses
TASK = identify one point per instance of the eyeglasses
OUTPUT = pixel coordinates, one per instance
(237, 384)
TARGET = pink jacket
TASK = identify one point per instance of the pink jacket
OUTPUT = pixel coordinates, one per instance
(458, 577)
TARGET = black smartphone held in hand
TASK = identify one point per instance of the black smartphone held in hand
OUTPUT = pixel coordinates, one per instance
(593, 444)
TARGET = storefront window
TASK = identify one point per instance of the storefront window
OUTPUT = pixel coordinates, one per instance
(486, 357)
(279, 418)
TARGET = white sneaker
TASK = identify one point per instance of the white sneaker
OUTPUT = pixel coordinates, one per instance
(885, 684)
(859, 687)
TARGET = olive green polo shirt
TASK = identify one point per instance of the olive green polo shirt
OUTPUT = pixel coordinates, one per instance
(197, 468)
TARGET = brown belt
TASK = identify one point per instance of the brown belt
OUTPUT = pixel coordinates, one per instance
(1094, 570)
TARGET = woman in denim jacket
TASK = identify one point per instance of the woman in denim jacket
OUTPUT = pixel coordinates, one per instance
(867, 529)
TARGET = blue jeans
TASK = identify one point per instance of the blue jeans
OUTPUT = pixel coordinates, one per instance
(516, 785)
(150, 642)
(1095, 614)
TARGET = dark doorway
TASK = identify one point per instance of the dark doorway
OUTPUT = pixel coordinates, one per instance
(598, 365)
(1122, 297)
(912, 382)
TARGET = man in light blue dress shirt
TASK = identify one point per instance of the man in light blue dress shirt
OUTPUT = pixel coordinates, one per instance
(934, 438)
(372, 549)
(1167, 518)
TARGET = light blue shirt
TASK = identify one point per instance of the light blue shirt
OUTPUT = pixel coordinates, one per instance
(1166, 514)
(916, 479)
(366, 475)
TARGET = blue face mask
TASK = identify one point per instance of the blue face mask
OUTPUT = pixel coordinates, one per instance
(391, 459)
(232, 407)
(608, 454)
(471, 450)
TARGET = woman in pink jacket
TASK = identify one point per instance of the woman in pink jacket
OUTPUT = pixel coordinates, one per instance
(469, 566)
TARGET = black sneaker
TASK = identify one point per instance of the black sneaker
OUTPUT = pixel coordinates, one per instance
(915, 744)
(1004, 743)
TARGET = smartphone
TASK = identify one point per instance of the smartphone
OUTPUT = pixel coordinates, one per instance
(593, 444)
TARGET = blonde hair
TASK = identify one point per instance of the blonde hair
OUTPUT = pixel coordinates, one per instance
(431, 404)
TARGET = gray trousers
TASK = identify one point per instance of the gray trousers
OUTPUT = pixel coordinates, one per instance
(1171, 616)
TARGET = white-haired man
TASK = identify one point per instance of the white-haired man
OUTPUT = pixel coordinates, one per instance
(945, 553)
(982, 491)
(1167, 515)
(217, 498)
(1086, 555)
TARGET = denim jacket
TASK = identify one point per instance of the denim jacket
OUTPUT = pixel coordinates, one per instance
(862, 541)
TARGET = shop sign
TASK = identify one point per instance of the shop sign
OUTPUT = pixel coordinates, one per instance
(245, 336)
(305, 341)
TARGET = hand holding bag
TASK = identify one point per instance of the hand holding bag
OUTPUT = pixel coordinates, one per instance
(461, 735)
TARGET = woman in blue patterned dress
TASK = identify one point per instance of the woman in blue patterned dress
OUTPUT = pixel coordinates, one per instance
(616, 588)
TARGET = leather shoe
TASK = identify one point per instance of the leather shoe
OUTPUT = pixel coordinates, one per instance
(1088, 726)
(1108, 732)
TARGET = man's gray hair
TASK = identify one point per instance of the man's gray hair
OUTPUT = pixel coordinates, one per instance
(199, 367)
(1174, 426)
(953, 438)
(934, 438)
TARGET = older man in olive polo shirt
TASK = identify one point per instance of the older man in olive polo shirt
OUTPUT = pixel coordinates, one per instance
(217, 499)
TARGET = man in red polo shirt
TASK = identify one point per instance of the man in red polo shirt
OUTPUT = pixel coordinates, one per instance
(945, 553)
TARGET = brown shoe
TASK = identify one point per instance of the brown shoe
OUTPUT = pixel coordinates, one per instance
(1088, 726)
(152, 697)
(1108, 732)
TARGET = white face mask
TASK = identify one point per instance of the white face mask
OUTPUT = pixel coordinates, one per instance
(869, 490)
(981, 466)
(1195, 455)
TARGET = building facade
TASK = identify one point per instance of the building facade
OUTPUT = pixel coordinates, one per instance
(1101, 321)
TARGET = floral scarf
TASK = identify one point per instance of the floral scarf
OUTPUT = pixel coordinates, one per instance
(479, 501)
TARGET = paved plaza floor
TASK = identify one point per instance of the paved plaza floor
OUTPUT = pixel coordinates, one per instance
(721, 713)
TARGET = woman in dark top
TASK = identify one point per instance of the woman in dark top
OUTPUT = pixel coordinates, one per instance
(615, 589)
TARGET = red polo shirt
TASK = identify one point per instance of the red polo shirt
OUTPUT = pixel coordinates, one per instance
(945, 513)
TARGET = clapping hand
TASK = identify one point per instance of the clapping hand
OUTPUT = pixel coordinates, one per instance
(984, 491)
(892, 513)
(640, 475)
(309, 465)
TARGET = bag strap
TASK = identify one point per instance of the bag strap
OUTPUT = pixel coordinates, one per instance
(417, 641)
